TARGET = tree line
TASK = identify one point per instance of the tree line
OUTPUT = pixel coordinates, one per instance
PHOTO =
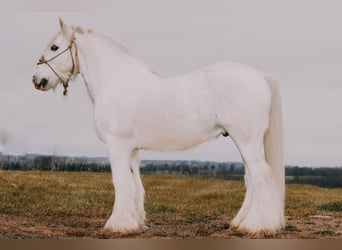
(319, 176)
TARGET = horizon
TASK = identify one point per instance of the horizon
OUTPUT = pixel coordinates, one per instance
(158, 160)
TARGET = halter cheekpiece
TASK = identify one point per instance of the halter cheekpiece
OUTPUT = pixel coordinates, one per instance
(75, 63)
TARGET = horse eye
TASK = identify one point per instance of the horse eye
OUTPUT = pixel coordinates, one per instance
(54, 47)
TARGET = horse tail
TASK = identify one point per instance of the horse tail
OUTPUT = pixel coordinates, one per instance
(273, 142)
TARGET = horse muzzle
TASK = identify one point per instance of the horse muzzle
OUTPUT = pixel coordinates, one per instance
(40, 85)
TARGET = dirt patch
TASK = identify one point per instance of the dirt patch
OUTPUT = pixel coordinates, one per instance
(23, 227)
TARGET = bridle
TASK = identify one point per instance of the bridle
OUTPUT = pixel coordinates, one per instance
(75, 64)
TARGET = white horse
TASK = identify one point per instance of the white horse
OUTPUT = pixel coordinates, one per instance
(134, 109)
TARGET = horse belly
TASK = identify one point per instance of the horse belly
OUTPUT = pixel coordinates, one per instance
(175, 141)
(177, 133)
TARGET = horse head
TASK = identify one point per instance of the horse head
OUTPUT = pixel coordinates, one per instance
(59, 62)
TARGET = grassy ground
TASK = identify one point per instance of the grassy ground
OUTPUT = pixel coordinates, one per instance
(76, 205)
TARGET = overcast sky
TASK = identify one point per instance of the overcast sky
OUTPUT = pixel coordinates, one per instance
(298, 42)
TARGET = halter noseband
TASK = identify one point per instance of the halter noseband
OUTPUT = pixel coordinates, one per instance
(75, 64)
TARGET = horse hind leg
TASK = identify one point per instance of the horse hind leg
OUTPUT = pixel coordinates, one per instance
(260, 212)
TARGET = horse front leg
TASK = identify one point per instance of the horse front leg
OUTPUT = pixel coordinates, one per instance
(140, 192)
(125, 217)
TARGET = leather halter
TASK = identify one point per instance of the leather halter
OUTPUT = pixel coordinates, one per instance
(75, 64)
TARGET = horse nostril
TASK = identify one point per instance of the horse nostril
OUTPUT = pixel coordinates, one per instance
(43, 82)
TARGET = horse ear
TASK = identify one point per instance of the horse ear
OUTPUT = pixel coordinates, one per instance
(61, 23)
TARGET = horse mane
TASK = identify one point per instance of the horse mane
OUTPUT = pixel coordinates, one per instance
(115, 43)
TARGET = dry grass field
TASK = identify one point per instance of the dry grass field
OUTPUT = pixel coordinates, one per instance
(63, 205)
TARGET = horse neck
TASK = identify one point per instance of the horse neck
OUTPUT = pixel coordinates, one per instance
(106, 62)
